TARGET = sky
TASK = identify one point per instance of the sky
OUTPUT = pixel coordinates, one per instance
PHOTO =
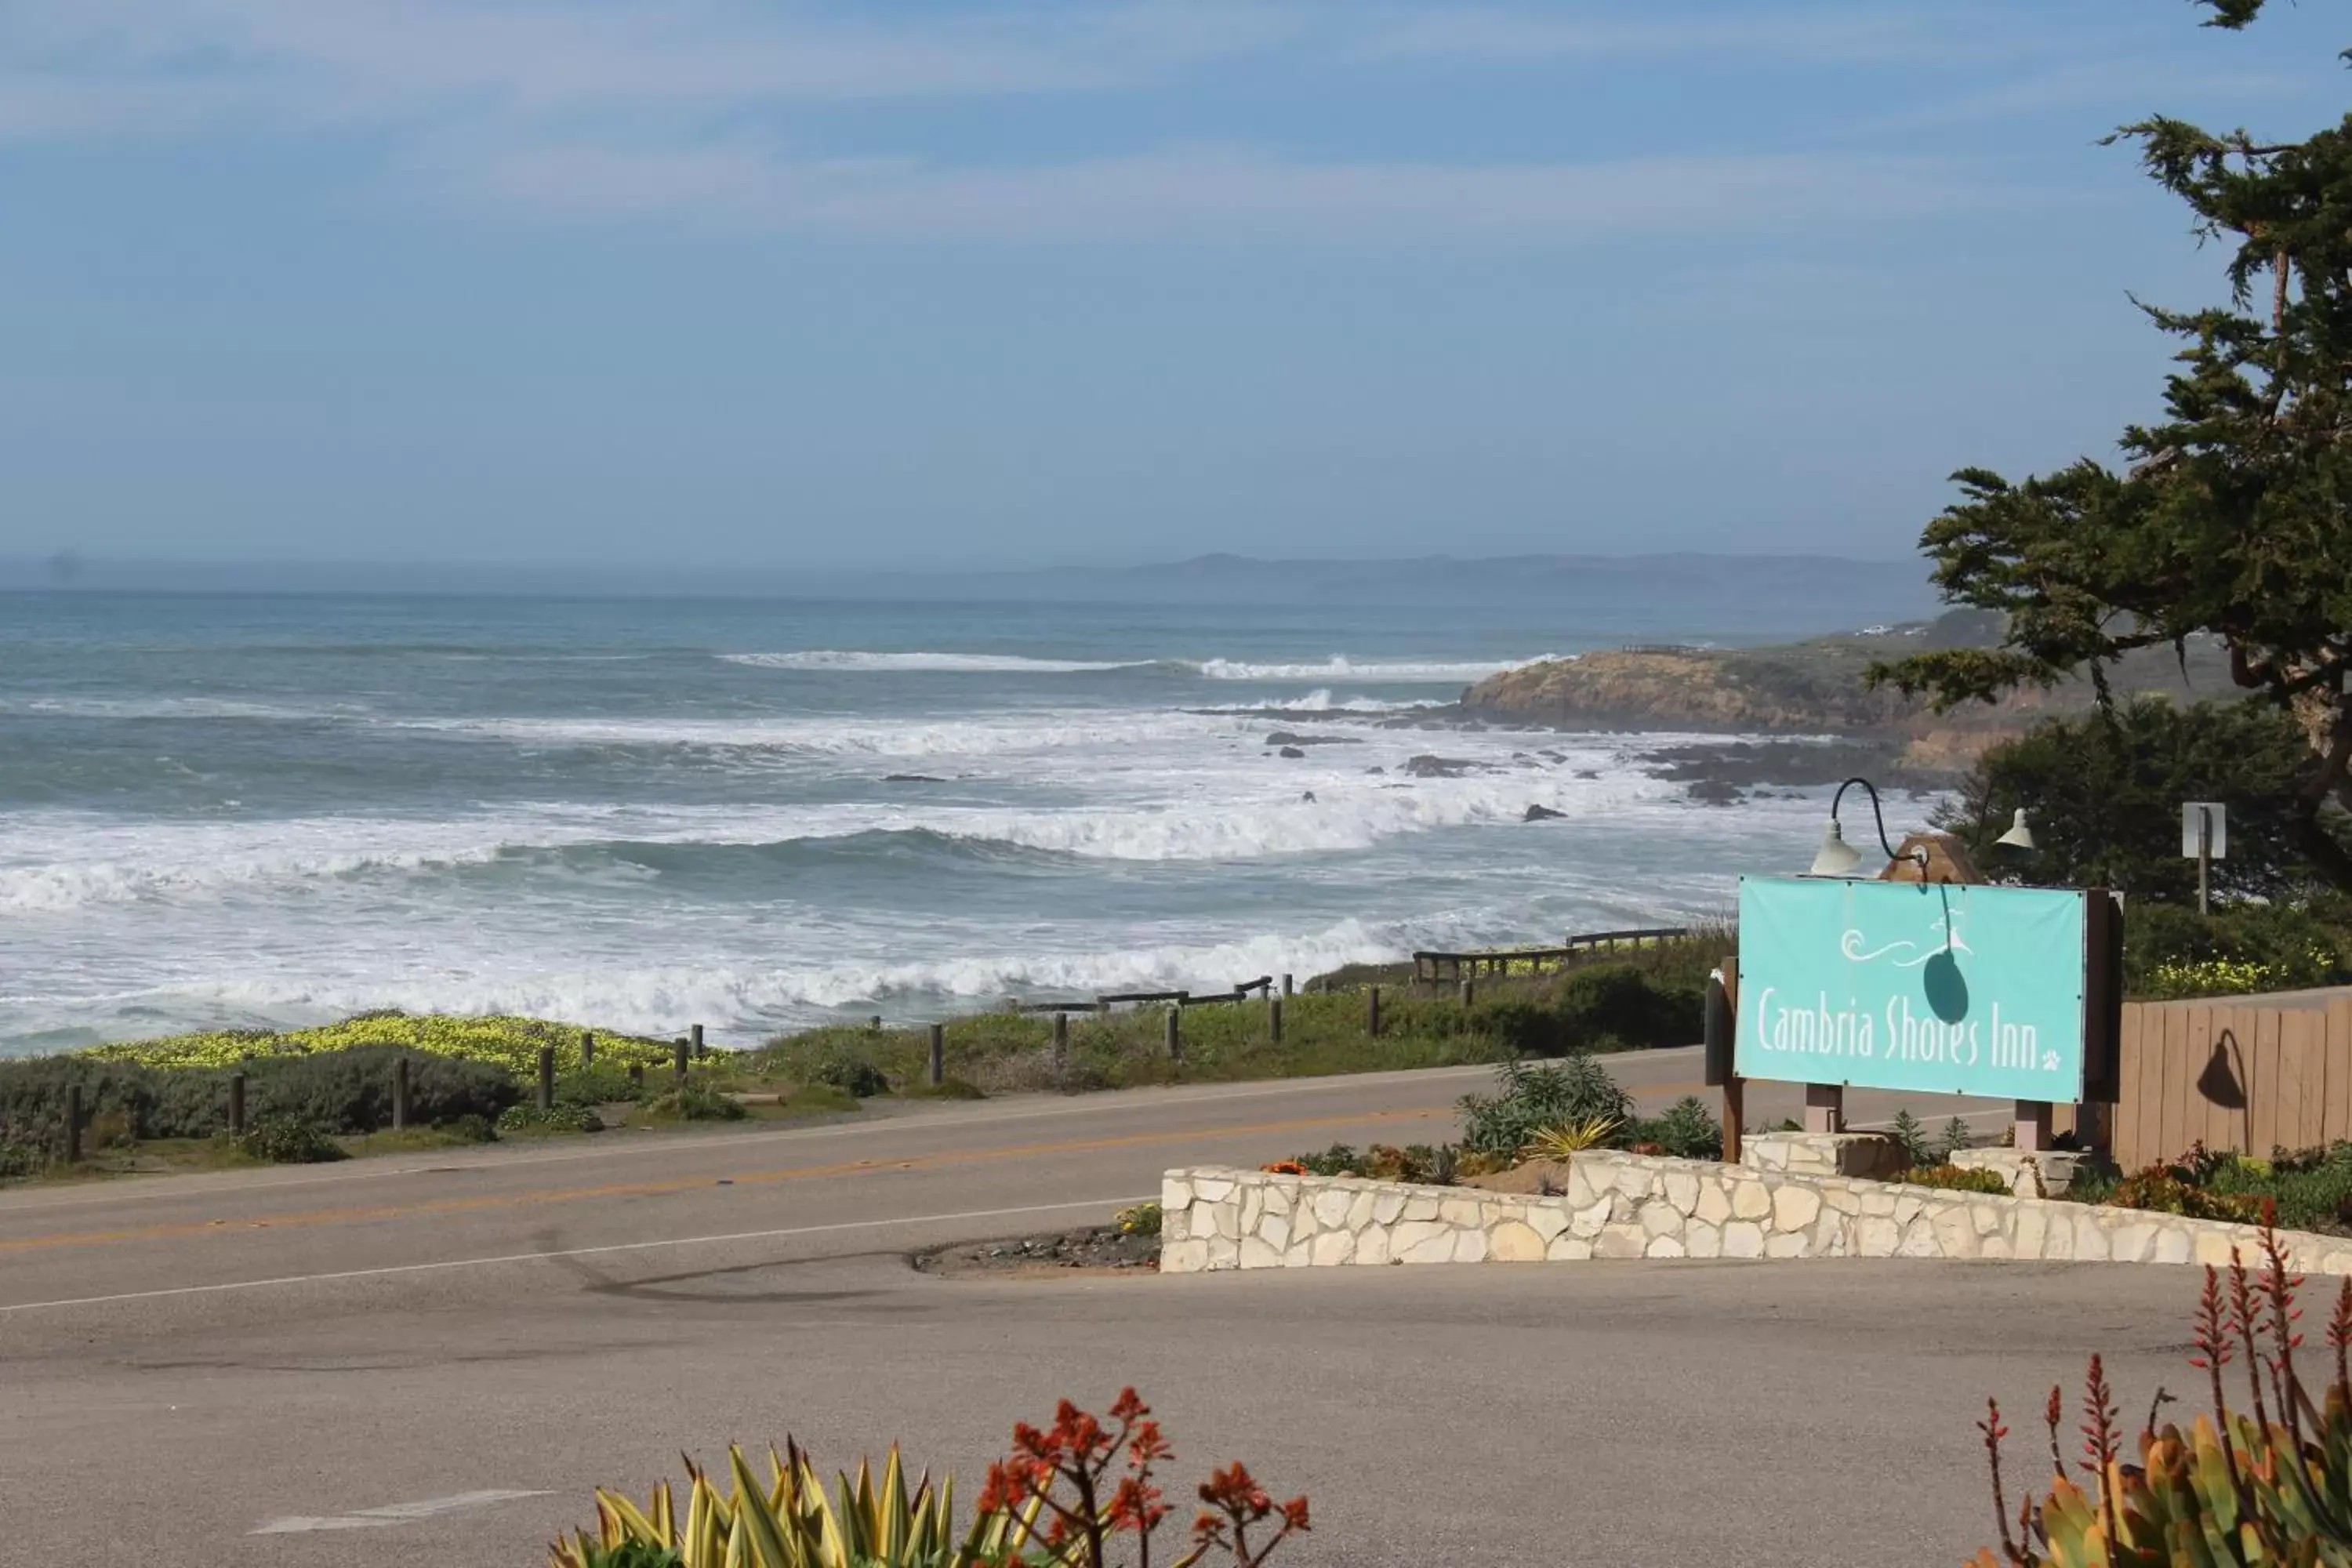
(952, 283)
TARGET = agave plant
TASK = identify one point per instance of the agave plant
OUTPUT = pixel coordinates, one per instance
(2269, 1485)
(1570, 1138)
(792, 1522)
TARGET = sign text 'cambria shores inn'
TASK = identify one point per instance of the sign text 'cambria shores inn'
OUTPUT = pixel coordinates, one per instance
(1949, 988)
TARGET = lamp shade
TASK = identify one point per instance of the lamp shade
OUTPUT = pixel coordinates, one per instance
(2020, 835)
(1837, 857)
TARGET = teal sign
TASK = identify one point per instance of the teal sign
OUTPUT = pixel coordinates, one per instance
(1949, 989)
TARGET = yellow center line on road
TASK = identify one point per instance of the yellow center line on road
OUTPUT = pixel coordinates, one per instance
(362, 1214)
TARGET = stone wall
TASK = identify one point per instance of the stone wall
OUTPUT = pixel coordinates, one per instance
(1631, 1206)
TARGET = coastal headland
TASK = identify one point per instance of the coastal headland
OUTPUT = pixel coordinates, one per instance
(1816, 689)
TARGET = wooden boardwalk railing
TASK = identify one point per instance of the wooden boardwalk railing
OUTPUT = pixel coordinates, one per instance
(1427, 966)
(1431, 966)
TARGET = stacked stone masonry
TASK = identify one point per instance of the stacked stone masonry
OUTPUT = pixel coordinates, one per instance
(1631, 1206)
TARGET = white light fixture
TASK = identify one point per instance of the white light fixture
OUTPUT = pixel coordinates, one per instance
(2020, 835)
(1837, 857)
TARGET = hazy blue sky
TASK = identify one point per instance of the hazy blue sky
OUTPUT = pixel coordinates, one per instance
(934, 282)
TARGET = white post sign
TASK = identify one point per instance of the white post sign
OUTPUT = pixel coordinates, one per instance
(2204, 838)
(2194, 815)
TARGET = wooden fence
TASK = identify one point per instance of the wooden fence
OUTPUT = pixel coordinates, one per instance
(2233, 1075)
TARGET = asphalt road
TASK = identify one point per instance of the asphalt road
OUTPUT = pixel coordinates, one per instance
(355, 1364)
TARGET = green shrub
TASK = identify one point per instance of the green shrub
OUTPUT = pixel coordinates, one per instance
(1339, 1160)
(604, 1083)
(691, 1101)
(853, 1076)
(1618, 1005)
(1416, 1162)
(472, 1130)
(1956, 1179)
(1143, 1219)
(1957, 1137)
(2163, 1190)
(350, 1090)
(1688, 1131)
(2311, 1188)
(33, 1099)
(2170, 950)
(1911, 1138)
(559, 1118)
(290, 1141)
(1531, 1097)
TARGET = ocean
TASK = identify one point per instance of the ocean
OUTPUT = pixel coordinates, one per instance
(262, 811)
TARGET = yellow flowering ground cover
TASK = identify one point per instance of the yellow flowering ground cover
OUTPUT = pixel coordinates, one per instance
(504, 1039)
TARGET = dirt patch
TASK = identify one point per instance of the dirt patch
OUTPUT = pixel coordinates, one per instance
(1098, 1248)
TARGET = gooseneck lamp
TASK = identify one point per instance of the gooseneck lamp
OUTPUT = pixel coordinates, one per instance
(1839, 858)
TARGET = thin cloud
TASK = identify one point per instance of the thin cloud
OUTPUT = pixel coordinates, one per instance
(1210, 194)
(2114, 88)
(1491, 35)
(389, 60)
(711, 110)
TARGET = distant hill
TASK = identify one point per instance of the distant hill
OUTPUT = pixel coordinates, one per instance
(1734, 597)
(1744, 597)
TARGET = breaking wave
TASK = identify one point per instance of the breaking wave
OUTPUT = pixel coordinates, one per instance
(955, 663)
(223, 861)
(660, 999)
(1339, 667)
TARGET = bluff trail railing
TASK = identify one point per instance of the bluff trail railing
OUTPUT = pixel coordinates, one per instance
(1433, 968)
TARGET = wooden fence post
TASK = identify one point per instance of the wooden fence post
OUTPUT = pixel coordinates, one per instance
(1372, 1012)
(938, 1054)
(587, 1049)
(1273, 1019)
(236, 1104)
(636, 1079)
(1469, 994)
(547, 1077)
(1175, 1034)
(695, 1034)
(678, 1061)
(1061, 1037)
(73, 1124)
(1287, 988)
(399, 1093)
